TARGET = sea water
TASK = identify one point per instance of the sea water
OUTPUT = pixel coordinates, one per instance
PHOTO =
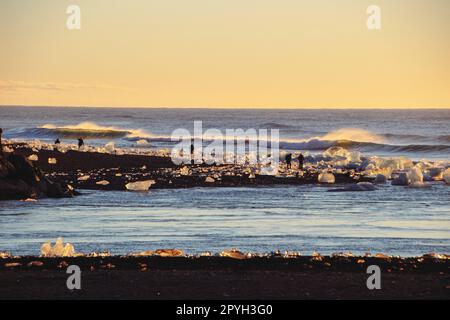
(393, 219)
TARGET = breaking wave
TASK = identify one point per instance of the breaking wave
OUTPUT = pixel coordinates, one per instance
(86, 130)
(349, 138)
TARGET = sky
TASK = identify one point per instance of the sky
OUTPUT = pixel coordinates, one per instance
(226, 54)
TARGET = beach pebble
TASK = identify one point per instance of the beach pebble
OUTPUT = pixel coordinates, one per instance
(234, 254)
(12, 264)
(35, 264)
(169, 253)
(102, 183)
(142, 253)
(83, 178)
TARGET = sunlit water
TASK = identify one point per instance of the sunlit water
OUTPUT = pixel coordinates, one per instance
(402, 221)
(394, 220)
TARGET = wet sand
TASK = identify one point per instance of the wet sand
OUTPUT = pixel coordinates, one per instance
(225, 278)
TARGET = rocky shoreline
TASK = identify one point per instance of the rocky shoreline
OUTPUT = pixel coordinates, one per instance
(103, 171)
(20, 179)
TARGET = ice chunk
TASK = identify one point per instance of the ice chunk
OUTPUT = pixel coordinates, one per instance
(102, 183)
(51, 160)
(84, 178)
(210, 180)
(269, 171)
(33, 157)
(334, 152)
(46, 249)
(68, 250)
(415, 175)
(185, 171)
(109, 147)
(7, 149)
(326, 177)
(58, 250)
(140, 185)
(354, 156)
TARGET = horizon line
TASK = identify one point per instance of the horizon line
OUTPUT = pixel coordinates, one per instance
(225, 108)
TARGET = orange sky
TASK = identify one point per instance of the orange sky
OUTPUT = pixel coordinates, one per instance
(233, 53)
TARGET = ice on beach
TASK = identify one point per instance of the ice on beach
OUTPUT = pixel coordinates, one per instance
(7, 149)
(415, 175)
(140, 185)
(51, 160)
(33, 157)
(102, 183)
(326, 177)
(210, 180)
(269, 171)
(58, 250)
(5, 255)
(83, 178)
(185, 171)
(335, 152)
(110, 147)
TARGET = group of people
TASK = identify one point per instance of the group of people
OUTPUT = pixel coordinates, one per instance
(80, 143)
(300, 160)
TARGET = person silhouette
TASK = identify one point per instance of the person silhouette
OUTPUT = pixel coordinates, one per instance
(80, 142)
(1, 146)
(301, 159)
(288, 160)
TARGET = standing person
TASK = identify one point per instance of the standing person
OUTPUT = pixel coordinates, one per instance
(57, 143)
(288, 160)
(80, 142)
(1, 146)
(301, 159)
(192, 154)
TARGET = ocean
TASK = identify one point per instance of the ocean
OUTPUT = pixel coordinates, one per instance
(393, 219)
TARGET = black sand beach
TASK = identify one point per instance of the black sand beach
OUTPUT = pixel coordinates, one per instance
(275, 278)
(118, 170)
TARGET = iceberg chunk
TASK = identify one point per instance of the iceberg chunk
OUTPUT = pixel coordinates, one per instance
(140, 185)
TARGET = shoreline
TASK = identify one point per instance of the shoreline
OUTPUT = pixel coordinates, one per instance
(163, 278)
(105, 171)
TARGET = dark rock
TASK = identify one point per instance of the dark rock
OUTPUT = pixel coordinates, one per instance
(20, 179)
(11, 189)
